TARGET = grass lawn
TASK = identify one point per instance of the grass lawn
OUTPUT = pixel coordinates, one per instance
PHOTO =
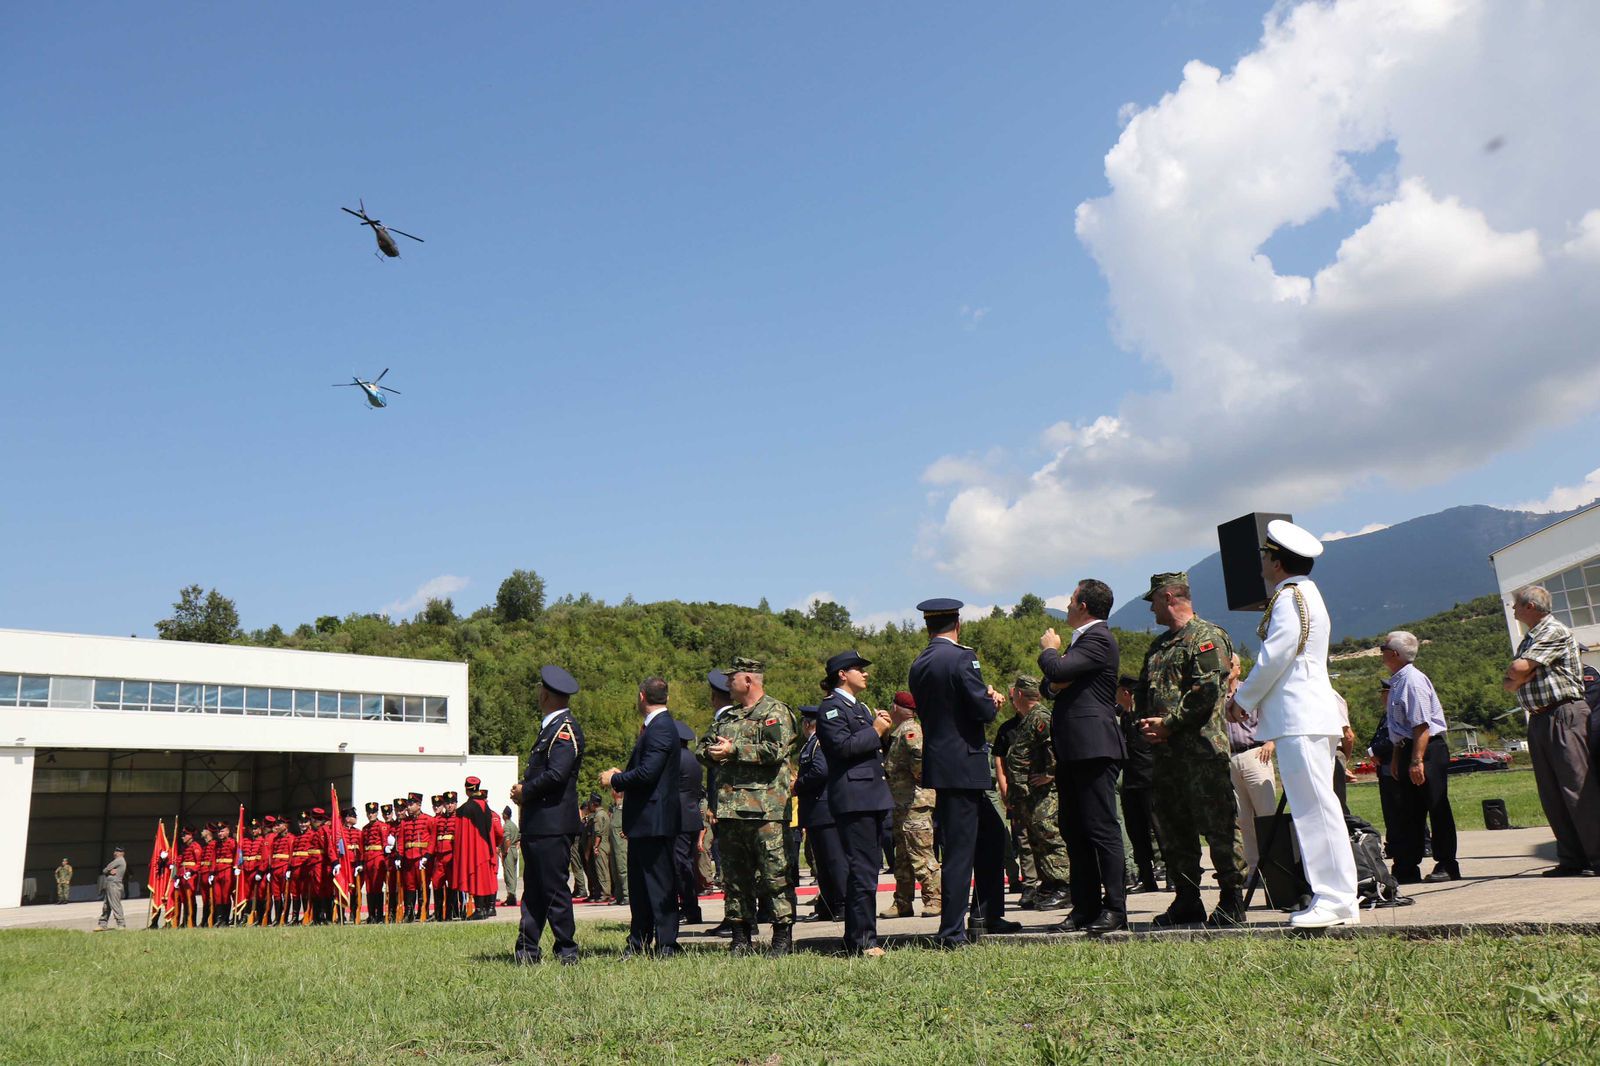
(443, 994)
(1467, 793)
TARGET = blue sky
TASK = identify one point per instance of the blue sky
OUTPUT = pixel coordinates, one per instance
(705, 290)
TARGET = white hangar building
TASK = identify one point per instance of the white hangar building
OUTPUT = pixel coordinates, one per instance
(105, 736)
(1564, 558)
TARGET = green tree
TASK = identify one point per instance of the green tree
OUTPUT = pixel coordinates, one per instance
(439, 612)
(830, 615)
(521, 597)
(1028, 606)
(327, 623)
(202, 617)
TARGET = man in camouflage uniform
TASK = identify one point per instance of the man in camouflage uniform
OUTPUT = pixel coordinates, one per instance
(1019, 858)
(600, 831)
(913, 814)
(1180, 701)
(619, 850)
(751, 747)
(1031, 769)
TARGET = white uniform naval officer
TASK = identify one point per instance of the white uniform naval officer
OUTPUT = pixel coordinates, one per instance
(1289, 691)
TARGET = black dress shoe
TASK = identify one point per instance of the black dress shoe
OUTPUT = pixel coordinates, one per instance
(569, 960)
(1108, 922)
(526, 958)
(1049, 901)
(1441, 874)
(1002, 925)
(1072, 924)
(1567, 871)
(669, 953)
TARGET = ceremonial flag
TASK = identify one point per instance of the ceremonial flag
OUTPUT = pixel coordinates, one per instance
(337, 851)
(160, 879)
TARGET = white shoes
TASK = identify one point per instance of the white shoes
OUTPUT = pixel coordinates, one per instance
(1324, 916)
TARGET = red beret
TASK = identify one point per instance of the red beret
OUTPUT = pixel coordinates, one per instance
(905, 699)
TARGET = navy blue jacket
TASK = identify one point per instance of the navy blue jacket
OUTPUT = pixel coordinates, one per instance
(550, 783)
(811, 789)
(1083, 723)
(649, 786)
(691, 790)
(856, 782)
(954, 706)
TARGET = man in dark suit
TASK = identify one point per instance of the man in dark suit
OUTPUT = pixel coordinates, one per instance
(955, 704)
(686, 845)
(858, 792)
(548, 796)
(1089, 753)
(651, 815)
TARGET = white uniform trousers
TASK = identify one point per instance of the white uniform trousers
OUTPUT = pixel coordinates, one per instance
(1305, 763)
(1256, 792)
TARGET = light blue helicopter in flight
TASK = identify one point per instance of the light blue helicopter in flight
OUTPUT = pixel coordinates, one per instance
(373, 390)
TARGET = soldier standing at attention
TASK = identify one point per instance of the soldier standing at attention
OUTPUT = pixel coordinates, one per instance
(1180, 702)
(63, 881)
(254, 864)
(1019, 855)
(600, 833)
(111, 882)
(224, 872)
(550, 821)
(750, 746)
(721, 704)
(373, 868)
(1031, 765)
(913, 814)
(511, 856)
(955, 705)
(1290, 692)
(619, 850)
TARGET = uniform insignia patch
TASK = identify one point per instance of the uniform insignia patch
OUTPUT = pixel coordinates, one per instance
(975, 665)
(774, 721)
(831, 715)
(1208, 645)
(911, 735)
(1040, 728)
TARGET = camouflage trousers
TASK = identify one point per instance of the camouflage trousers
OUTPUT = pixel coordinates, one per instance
(1194, 798)
(1040, 814)
(1019, 851)
(602, 869)
(580, 880)
(755, 865)
(913, 857)
(703, 867)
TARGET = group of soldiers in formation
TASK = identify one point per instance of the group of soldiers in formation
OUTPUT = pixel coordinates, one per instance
(834, 774)
(404, 865)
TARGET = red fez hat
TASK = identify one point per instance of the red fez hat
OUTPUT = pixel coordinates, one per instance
(473, 782)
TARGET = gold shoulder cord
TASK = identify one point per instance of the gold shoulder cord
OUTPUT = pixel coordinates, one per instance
(1300, 607)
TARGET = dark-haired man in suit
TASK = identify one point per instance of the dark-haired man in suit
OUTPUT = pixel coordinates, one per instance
(1089, 754)
(651, 817)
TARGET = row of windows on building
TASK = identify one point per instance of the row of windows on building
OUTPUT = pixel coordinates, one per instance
(1575, 594)
(118, 694)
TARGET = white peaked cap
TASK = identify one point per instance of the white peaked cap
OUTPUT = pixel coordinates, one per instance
(1291, 538)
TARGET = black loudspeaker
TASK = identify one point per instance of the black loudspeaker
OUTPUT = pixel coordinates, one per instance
(1240, 542)
(1281, 872)
(1494, 814)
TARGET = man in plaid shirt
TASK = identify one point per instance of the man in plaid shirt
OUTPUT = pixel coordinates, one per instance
(1546, 675)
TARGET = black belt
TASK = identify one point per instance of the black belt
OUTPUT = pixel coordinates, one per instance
(1558, 705)
(1237, 750)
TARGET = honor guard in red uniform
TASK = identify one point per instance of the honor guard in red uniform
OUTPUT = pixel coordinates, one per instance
(314, 875)
(444, 835)
(347, 885)
(396, 816)
(497, 844)
(278, 849)
(207, 874)
(188, 882)
(300, 853)
(476, 855)
(253, 870)
(222, 874)
(372, 865)
(416, 842)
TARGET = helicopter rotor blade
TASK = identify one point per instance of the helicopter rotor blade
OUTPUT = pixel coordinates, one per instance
(403, 233)
(380, 376)
(344, 384)
(358, 214)
(386, 388)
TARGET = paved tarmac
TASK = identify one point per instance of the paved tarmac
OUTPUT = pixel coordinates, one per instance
(1500, 892)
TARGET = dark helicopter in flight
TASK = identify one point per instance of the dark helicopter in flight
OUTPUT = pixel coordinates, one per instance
(373, 390)
(386, 243)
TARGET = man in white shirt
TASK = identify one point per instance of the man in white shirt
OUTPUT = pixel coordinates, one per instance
(1289, 693)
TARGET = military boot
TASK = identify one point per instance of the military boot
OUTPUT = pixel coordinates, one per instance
(1230, 911)
(741, 938)
(782, 941)
(1186, 909)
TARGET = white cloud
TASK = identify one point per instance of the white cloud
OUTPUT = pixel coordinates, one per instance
(435, 588)
(1370, 527)
(973, 316)
(805, 603)
(1565, 497)
(1473, 289)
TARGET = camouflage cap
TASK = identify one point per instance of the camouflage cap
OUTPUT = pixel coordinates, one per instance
(1026, 684)
(1161, 581)
(741, 665)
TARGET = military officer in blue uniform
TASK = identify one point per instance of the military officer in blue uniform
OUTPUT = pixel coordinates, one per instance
(548, 796)
(955, 704)
(851, 737)
(816, 818)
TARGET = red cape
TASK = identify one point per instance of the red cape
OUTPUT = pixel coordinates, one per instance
(476, 870)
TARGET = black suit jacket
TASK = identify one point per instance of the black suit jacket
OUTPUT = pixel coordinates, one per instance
(550, 782)
(954, 706)
(691, 790)
(649, 786)
(1084, 722)
(856, 782)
